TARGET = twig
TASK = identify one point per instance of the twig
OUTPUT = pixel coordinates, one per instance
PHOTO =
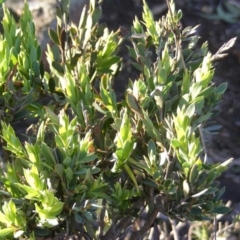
(86, 236)
(114, 232)
(174, 229)
(154, 232)
(113, 225)
(203, 143)
(190, 230)
(119, 225)
(165, 230)
(148, 224)
(225, 228)
(179, 227)
(215, 227)
(101, 218)
(67, 228)
(158, 207)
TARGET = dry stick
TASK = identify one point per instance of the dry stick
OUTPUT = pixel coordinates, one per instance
(215, 227)
(179, 226)
(203, 143)
(148, 224)
(67, 228)
(174, 229)
(158, 207)
(114, 232)
(112, 227)
(115, 228)
(86, 236)
(165, 229)
(225, 228)
(101, 218)
(190, 230)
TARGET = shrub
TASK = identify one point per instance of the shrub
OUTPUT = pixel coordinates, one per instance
(93, 165)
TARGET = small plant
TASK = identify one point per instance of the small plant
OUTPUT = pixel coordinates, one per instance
(93, 165)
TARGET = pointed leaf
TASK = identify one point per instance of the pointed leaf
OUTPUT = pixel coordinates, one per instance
(133, 104)
(54, 37)
(6, 231)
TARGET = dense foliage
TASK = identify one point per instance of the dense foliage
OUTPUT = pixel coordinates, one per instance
(94, 164)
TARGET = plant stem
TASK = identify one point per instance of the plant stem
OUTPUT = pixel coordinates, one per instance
(148, 224)
(114, 232)
(174, 229)
(101, 217)
(157, 200)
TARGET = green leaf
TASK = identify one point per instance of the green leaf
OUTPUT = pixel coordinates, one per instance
(193, 173)
(12, 207)
(90, 230)
(58, 168)
(150, 183)
(41, 232)
(33, 58)
(159, 98)
(48, 154)
(83, 18)
(211, 176)
(208, 206)
(104, 65)
(88, 215)
(52, 116)
(6, 231)
(175, 143)
(219, 194)
(97, 12)
(83, 171)
(226, 163)
(133, 104)
(4, 218)
(54, 37)
(67, 161)
(69, 173)
(190, 110)
(137, 66)
(56, 209)
(204, 118)
(51, 85)
(149, 21)
(88, 158)
(132, 52)
(152, 152)
(58, 67)
(33, 152)
(32, 193)
(201, 179)
(196, 210)
(221, 210)
(63, 37)
(41, 69)
(150, 128)
(78, 218)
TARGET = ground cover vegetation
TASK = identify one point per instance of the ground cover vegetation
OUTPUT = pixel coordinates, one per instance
(96, 165)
